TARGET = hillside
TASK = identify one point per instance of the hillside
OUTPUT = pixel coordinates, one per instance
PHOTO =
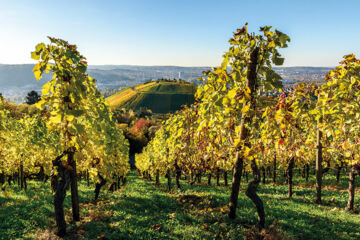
(159, 96)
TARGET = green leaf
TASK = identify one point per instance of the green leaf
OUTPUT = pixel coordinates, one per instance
(82, 68)
(35, 56)
(313, 112)
(39, 47)
(76, 113)
(80, 128)
(70, 117)
(40, 104)
(245, 109)
(271, 44)
(46, 89)
(225, 62)
(56, 118)
(277, 60)
(231, 94)
(38, 74)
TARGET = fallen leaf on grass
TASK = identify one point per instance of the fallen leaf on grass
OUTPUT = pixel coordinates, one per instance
(102, 236)
(156, 227)
(204, 226)
(172, 215)
(223, 225)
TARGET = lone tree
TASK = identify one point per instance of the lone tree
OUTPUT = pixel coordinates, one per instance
(32, 97)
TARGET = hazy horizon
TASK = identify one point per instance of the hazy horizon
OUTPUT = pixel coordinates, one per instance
(92, 65)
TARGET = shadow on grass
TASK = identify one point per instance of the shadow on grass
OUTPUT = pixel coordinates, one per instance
(143, 212)
(298, 216)
(24, 211)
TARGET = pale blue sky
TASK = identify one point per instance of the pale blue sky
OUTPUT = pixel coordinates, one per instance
(178, 32)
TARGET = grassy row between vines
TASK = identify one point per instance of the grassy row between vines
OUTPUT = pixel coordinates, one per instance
(141, 211)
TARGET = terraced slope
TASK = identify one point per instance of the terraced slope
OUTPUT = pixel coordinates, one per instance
(160, 97)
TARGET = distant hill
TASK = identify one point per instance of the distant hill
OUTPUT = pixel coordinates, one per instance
(17, 80)
(158, 96)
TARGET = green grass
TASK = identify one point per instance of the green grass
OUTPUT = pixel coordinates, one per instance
(141, 211)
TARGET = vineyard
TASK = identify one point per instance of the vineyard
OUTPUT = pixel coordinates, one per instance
(234, 127)
(288, 159)
(159, 96)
